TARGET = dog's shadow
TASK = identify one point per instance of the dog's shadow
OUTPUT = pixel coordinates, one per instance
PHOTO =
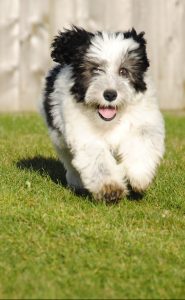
(45, 167)
(54, 169)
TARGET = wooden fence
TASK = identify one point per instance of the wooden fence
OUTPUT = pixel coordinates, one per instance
(27, 28)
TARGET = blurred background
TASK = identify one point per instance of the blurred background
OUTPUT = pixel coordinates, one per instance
(28, 26)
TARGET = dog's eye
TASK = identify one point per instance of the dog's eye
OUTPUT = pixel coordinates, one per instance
(123, 72)
(97, 70)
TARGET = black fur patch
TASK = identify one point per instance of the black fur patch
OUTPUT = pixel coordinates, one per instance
(137, 62)
(49, 88)
(69, 47)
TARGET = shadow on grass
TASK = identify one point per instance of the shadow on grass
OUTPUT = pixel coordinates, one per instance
(44, 166)
(134, 196)
(50, 166)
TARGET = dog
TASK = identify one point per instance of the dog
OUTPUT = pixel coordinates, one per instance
(102, 114)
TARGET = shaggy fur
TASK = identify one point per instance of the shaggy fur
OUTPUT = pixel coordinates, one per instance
(102, 113)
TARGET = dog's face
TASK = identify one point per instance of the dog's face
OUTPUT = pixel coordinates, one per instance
(108, 68)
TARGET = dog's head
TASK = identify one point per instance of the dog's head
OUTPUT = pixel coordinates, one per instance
(108, 68)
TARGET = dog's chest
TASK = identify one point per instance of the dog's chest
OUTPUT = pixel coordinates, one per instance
(115, 138)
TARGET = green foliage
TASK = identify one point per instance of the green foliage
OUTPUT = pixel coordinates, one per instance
(54, 244)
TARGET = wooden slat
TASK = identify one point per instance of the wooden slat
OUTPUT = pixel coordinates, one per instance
(34, 50)
(164, 23)
(9, 55)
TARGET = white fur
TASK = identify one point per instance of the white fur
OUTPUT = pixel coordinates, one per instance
(88, 146)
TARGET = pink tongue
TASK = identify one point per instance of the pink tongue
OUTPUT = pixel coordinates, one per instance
(107, 112)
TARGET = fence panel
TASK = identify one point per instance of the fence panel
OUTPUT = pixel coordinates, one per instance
(27, 28)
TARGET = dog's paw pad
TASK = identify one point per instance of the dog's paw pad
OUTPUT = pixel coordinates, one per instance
(110, 193)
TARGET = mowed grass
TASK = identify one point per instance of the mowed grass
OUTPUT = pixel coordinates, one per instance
(54, 244)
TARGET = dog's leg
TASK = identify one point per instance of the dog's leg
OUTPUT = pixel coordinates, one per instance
(141, 157)
(72, 176)
(99, 172)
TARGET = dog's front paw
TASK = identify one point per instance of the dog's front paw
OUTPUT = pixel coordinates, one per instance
(140, 184)
(110, 193)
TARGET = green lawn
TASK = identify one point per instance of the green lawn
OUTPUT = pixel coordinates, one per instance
(54, 244)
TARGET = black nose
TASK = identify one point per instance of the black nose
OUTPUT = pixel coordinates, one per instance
(110, 95)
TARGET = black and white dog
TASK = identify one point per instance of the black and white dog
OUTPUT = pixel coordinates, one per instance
(101, 112)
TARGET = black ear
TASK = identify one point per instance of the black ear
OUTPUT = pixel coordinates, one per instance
(70, 44)
(139, 38)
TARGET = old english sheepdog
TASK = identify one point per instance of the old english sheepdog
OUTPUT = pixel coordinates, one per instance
(101, 111)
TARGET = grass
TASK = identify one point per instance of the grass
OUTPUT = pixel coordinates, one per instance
(54, 244)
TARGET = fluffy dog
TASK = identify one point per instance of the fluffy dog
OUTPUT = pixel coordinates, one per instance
(101, 112)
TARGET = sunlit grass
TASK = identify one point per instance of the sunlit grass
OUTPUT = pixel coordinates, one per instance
(54, 244)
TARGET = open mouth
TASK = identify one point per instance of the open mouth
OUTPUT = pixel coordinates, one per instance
(107, 113)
